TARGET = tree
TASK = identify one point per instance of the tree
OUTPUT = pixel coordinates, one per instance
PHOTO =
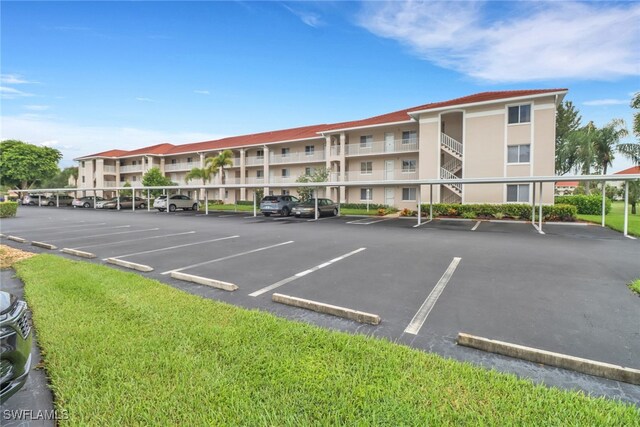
(22, 164)
(605, 143)
(126, 192)
(61, 179)
(631, 150)
(155, 178)
(198, 173)
(319, 175)
(567, 123)
(218, 163)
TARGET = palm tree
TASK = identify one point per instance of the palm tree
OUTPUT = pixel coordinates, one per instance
(606, 141)
(198, 173)
(218, 163)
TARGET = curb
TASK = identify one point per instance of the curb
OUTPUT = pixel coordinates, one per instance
(334, 310)
(43, 245)
(219, 284)
(578, 364)
(76, 252)
(17, 239)
(131, 265)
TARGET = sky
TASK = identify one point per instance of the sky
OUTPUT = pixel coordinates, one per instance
(85, 77)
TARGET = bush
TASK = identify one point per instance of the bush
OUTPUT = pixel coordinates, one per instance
(559, 212)
(469, 215)
(587, 205)
(245, 202)
(406, 212)
(8, 209)
(372, 206)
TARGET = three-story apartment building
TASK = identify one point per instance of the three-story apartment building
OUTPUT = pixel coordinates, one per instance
(490, 134)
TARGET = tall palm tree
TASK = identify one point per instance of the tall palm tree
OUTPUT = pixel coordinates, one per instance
(605, 143)
(198, 173)
(218, 163)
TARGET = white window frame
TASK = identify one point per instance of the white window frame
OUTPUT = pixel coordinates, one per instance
(364, 189)
(409, 169)
(519, 193)
(260, 154)
(519, 106)
(285, 152)
(368, 170)
(409, 190)
(285, 173)
(259, 173)
(366, 141)
(413, 136)
(309, 150)
(518, 147)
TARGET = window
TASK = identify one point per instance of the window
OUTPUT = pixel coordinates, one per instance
(285, 152)
(82, 178)
(408, 194)
(409, 137)
(408, 166)
(366, 168)
(121, 162)
(286, 193)
(309, 171)
(520, 114)
(83, 163)
(260, 154)
(133, 163)
(518, 153)
(122, 179)
(174, 161)
(309, 150)
(285, 173)
(518, 193)
(189, 160)
(366, 194)
(260, 173)
(366, 141)
(146, 160)
(133, 178)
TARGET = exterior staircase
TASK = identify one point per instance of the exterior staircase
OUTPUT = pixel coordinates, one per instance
(450, 168)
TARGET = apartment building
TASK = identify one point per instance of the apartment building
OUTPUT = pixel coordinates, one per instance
(489, 134)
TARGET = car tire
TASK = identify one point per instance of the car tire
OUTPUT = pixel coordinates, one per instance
(285, 211)
(50, 204)
(161, 210)
(86, 205)
(319, 213)
(335, 212)
(194, 207)
(267, 214)
(172, 208)
(142, 206)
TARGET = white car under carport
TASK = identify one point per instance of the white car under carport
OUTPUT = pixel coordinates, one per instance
(177, 201)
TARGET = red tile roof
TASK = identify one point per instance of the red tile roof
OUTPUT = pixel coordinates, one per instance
(633, 170)
(567, 184)
(315, 130)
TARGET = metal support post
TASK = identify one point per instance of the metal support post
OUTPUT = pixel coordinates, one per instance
(57, 200)
(95, 200)
(39, 199)
(339, 202)
(118, 199)
(540, 210)
(255, 203)
(368, 197)
(148, 200)
(419, 205)
(133, 201)
(604, 185)
(206, 202)
(315, 198)
(430, 202)
(626, 208)
(533, 205)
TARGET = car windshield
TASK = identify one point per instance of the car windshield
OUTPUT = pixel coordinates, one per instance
(270, 199)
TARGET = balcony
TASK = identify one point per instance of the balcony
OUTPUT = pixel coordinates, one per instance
(276, 159)
(130, 168)
(253, 161)
(282, 179)
(109, 169)
(236, 161)
(381, 147)
(254, 180)
(335, 150)
(376, 175)
(186, 166)
(110, 184)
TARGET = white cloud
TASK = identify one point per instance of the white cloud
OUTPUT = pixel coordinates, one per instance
(13, 79)
(201, 92)
(599, 102)
(536, 41)
(36, 107)
(308, 18)
(145, 99)
(12, 93)
(75, 140)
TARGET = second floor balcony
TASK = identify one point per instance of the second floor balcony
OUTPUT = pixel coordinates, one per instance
(109, 169)
(316, 156)
(375, 175)
(130, 168)
(182, 166)
(381, 147)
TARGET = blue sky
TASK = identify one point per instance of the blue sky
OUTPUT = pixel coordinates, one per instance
(89, 76)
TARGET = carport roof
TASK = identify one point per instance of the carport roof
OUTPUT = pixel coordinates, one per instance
(316, 131)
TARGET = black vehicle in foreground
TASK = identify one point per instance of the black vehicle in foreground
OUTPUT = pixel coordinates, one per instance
(15, 341)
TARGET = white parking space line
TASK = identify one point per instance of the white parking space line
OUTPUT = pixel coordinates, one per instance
(421, 224)
(134, 240)
(421, 316)
(225, 216)
(56, 227)
(322, 219)
(537, 229)
(367, 221)
(475, 227)
(173, 247)
(228, 257)
(303, 273)
(108, 234)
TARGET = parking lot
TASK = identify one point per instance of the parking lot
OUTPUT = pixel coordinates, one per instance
(563, 291)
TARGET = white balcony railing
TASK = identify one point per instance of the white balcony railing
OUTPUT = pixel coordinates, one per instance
(185, 166)
(375, 175)
(335, 150)
(236, 161)
(317, 156)
(110, 184)
(445, 174)
(130, 168)
(253, 160)
(255, 180)
(381, 147)
(282, 179)
(109, 169)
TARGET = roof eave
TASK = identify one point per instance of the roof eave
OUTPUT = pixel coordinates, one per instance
(325, 132)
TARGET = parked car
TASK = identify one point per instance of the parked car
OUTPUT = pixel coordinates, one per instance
(325, 207)
(15, 341)
(86, 202)
(282, 205)
(177, 201)
(62, 199)
(31, 199)
(126, 202)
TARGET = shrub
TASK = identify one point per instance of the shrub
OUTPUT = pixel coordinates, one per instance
(244, 202)
(498, 215)
(382, 212)
(587, 205)
(8, 209)
(406, 212)
(372, 206)
(559, 212)
(469, 215)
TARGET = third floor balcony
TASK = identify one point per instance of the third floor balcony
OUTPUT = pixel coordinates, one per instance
(381, 147)
(316, 156)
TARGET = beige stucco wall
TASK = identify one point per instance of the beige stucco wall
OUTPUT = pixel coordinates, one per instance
(484, 157)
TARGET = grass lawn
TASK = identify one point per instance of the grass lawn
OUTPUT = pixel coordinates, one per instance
(635, 286)
(121, 349)
(615, 219)
(239, 208)
(349, 211)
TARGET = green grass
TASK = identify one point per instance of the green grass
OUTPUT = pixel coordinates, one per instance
(635, 286)
(231, 207)
(615, 219)
(350, 211)
(121, 349)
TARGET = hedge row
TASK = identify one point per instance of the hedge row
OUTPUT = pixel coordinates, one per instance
(8, 209)
(557, 212)
(372, 206)
(587, 205)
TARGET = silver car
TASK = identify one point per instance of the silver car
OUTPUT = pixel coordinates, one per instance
(86, 202)
(282, 204)
(308, 208)
(177, 201)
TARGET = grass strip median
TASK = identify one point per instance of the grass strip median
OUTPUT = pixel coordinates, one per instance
(122, 349)
(615, 219)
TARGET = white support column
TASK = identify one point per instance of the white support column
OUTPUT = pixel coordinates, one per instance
(118, 199)
(206, 201)
(626, 208)
(255, 206)
(315, 198)
(339, 202)
(604, 186)
(57, 200)
(39, 199)
(540, 210)
(94, 200)
(148, 200)
(533, 205)
(419, 204)
(243, 171)
(430, 202)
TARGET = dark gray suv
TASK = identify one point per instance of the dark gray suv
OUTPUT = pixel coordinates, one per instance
(282, 205)
(15, 341)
